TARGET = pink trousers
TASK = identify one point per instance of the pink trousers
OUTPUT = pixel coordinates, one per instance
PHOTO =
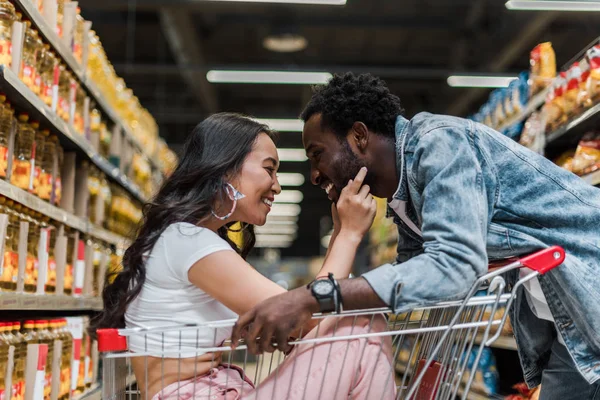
(342, 369)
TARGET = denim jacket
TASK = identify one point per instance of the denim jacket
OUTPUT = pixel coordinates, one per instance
(477, 196)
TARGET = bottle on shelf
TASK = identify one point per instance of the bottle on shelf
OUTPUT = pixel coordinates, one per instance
(45, 337)
(11, 246)
(67, 354)
(69, 263)
(24, 140)
(7, 17)
(47, 74)
(30, 55)
(18, 385)
(33, 241)
(78, 37)
(4, 347)
(78, 123)
(51, 280)
(5, 128)
(64, 89)
(37, 157)
(8, 271)
(57, 183)
(60, 12)
(43, 188)
(94, 193)
(41, 52)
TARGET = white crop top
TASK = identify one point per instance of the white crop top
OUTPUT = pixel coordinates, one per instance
(168, 297)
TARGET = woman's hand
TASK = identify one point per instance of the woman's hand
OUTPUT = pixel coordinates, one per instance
(356, 207)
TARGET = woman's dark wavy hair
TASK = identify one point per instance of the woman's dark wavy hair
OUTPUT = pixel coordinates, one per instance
(216, 148)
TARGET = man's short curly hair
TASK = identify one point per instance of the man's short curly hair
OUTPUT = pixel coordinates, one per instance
(349, 98)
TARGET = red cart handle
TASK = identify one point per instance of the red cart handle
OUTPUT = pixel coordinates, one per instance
(541, 261)
(544, 260)
(109, 340)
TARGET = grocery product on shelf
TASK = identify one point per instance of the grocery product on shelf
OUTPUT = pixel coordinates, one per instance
(524, 393)
(57, 181)
(37, 157)
(543, 67)
(51, 280)
(593, 81)
(33, 240)
(48, 74)
(7, 17)
(68, 286)
(5, 129)
(24, 140)
(43, 188)
(29, 59)
(486, 375)
(587, 155)
(11, 247)
(566, 160)
(78, 37)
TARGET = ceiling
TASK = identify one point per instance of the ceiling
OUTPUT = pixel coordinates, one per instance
(163, 50)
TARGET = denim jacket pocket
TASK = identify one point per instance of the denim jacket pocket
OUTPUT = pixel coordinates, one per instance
(498, 242)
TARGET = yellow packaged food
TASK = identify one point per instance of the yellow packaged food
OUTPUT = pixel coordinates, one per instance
(566, 160)
(5, 128)
(593, 81)
(587, 155)
(543, 67)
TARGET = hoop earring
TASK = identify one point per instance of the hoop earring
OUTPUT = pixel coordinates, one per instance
(234, 195)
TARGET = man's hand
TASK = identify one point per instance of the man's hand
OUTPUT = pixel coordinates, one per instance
(275, 319)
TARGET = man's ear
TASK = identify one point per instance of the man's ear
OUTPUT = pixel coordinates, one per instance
(360, 135)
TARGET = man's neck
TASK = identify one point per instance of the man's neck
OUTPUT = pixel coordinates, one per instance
(385, 170)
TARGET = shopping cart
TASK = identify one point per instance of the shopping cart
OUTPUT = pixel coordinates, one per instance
(436, 349)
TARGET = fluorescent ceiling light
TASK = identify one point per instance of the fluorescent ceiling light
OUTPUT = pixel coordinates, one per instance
(290, 179)
(272, 245)
(324, 2)
(269, 77)
(289, 196)
(276, 238)
(543, 5)
(480, 81)
(285, 43)
(281, 220)
(292, 155)
(276, 229)
(283, 125)
(283, 210)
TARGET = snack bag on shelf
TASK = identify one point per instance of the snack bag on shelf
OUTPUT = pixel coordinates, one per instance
(555, 108)
(587, 155)
(514, 131)
(497, 108)
(593, 81)
(566, 160)
(543, 67)
(583, 97)
(571, 92)
(509, 109)
(533, 135)
(524, 393)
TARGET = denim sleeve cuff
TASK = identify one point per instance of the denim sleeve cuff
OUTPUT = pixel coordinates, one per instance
(383, 281)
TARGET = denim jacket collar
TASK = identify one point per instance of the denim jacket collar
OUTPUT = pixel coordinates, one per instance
(401, 135)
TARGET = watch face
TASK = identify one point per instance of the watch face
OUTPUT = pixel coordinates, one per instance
(323, 287)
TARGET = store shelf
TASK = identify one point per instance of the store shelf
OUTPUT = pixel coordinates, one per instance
(560, 132)
(534, 103)
(503, 342)
(35, 203)
(30, 10)
(19, 94)
(27, 301)
(592, 178)
(108, 110)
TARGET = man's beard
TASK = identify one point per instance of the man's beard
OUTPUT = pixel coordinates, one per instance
(347, 167)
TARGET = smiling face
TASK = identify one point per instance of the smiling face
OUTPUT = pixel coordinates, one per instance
(333, 162)
(258, 182)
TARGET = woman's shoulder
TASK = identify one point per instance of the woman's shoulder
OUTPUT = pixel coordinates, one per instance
(185, 232)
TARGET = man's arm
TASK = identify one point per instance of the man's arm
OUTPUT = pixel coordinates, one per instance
(454, 227)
